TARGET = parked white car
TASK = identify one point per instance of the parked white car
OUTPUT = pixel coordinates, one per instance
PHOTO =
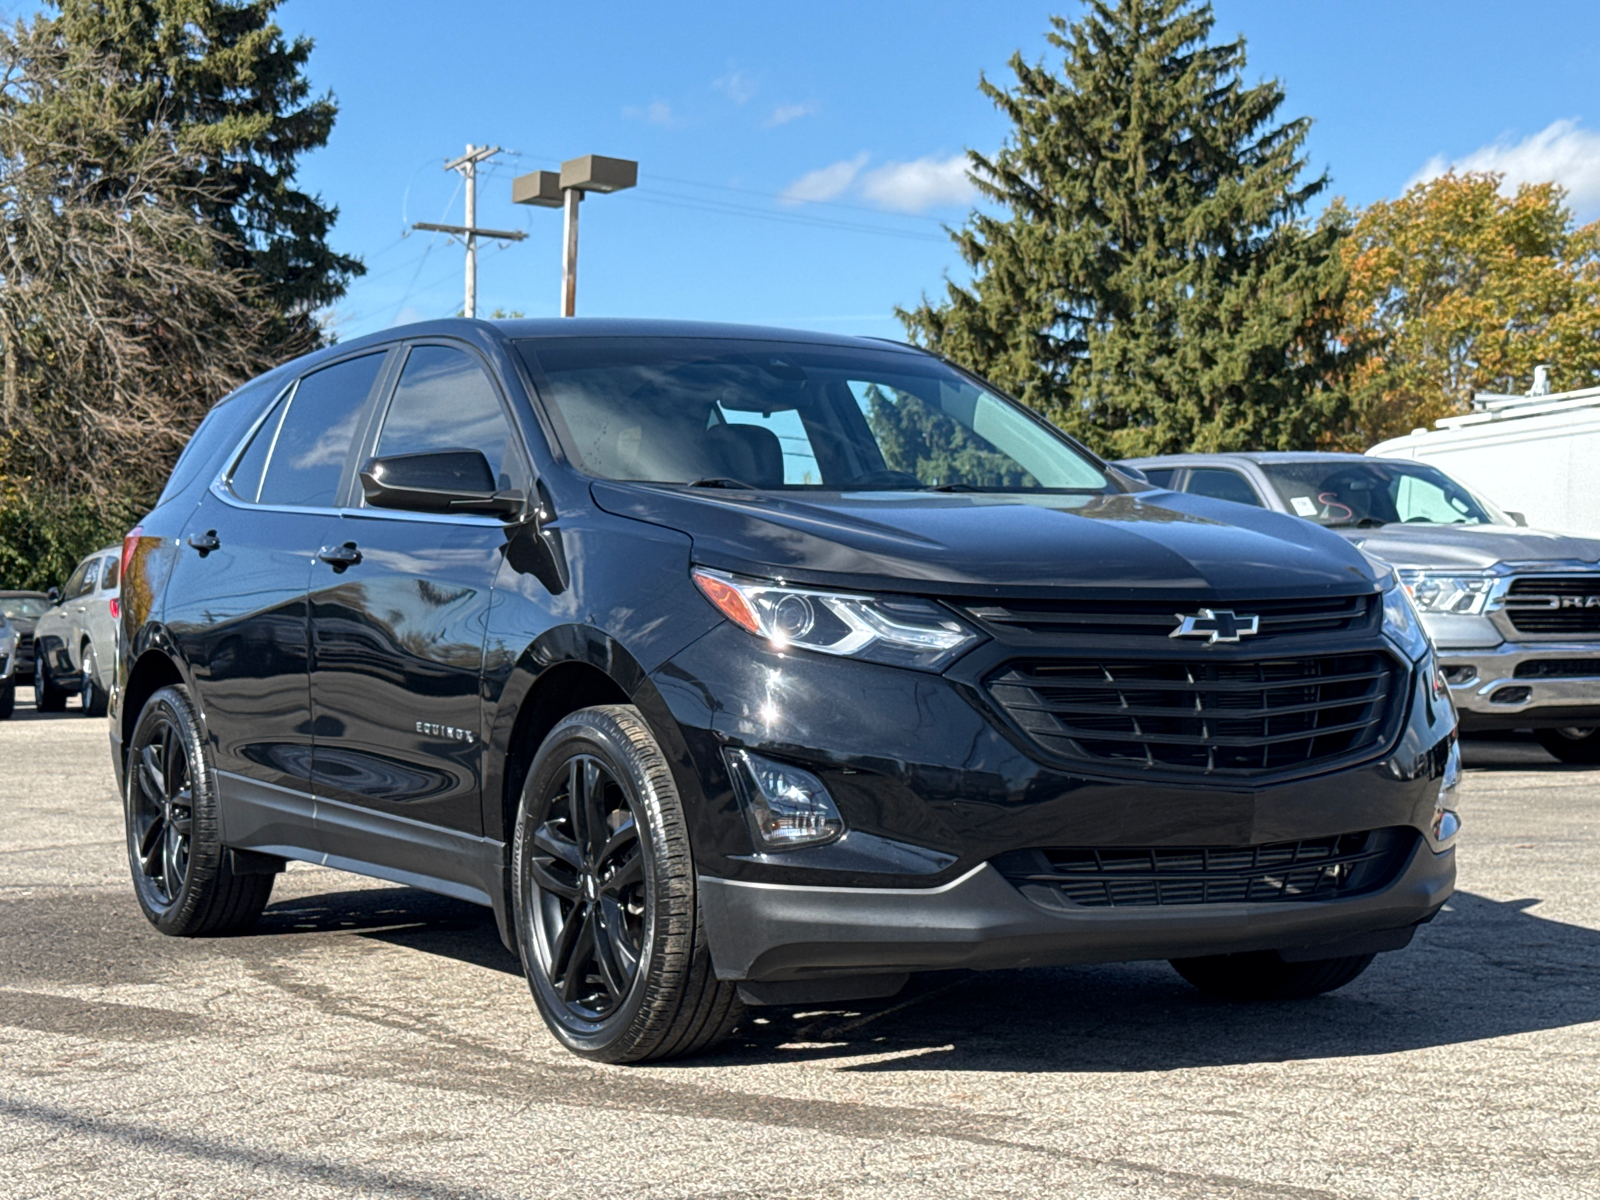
(75, 642)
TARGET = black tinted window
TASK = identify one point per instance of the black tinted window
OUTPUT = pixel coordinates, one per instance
(246, 477)
(1221, 485)
(82, 580)
(1160, 476)
(445, 401)
(304, 464)
(110, 572)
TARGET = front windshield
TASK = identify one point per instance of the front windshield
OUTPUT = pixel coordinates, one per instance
(25, 607)
(784, 415)
(1375, 492)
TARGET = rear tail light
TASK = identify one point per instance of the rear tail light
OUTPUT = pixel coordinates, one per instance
(116, 609)
(130, 543)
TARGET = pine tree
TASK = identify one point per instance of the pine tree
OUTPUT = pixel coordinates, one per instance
(220, 75)
(1152, 284)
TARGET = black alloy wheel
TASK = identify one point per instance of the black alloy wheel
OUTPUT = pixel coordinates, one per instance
(588, 866)
(182, 874)
(604, 892)
(1572, 745)
(92, 695)
(48, 695)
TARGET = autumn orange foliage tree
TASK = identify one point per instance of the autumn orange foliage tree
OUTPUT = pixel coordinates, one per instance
(1456, 288)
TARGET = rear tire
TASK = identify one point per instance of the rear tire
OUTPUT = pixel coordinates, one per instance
(48, 695)
(1580, 746)
(1264, 975)
(8, 698)
(92, 694)
(607, 917)
(182, 874)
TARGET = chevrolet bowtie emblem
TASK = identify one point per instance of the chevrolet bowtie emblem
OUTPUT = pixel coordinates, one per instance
(1216, 625)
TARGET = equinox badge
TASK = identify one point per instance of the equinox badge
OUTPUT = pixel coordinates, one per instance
(1219, 625)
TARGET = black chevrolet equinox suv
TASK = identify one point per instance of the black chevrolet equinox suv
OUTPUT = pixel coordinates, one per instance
(737, 666)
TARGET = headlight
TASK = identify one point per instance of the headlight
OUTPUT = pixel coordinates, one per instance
(1401, 623)
(1461, 595)
(901, 630)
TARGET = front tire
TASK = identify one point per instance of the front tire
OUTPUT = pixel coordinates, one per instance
(1580, 746)
(93, 695)
(1264, 975)
(607, 918)
(48, 695)
(182, 874)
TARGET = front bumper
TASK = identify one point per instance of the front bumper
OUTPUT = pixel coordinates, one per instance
(776, 932)
(1488, 691)
(934, 786)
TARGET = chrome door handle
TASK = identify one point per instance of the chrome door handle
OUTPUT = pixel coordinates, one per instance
(204, 542)
(340, 557)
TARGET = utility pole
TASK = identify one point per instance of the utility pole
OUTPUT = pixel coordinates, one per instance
(467, 164)
(565, 190)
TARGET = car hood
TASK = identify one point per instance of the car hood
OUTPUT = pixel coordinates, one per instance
(1471, 547)
(973, 544)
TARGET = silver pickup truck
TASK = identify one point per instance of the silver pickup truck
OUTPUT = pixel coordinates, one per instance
(1513, 611)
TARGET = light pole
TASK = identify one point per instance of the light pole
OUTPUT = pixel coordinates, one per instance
(565, 190)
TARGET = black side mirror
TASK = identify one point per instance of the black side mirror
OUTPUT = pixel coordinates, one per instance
(437, 481)
(55, 595)
(1517, 518)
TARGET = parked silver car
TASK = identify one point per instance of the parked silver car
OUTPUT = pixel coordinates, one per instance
(75, 642)
(1513, 611)
(8, 666)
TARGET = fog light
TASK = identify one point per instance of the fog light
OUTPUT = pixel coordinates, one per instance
(785, 806)
(1445, 822)
(1458, 675)
(1511, 695)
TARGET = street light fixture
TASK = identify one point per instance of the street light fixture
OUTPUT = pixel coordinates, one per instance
(565, 190)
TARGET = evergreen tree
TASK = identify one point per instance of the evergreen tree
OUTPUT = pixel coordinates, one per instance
(1152, 285)
(222, 79)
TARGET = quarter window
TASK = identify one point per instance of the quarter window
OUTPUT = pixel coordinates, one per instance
(302, 453)
(110, 572)
(445, 401)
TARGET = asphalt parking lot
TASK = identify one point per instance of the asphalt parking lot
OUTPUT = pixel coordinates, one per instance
(371, 1040)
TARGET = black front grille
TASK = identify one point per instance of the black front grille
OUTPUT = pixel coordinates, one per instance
(1558, 668)
(1555, 604)
(1146, 876)
(1215, 717)
(1068, 622)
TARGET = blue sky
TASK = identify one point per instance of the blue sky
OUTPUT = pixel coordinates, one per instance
(796, 161)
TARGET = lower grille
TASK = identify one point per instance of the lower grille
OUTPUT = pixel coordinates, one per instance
(1555, 604)
(1219, 717)
(1558, 668)
(1150, 876)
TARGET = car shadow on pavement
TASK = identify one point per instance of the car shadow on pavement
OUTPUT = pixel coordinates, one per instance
(1483, 969)
(398, 916)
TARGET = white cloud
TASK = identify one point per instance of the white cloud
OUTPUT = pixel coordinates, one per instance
(738, 86)
(1562, 152)
(657, 112)
(825, 183)
(785, 113)
(913, 187)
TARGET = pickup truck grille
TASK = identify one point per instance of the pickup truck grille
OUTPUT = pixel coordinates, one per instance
(1274, 873)
(1202, 717)
(1555, 604)
(1067, 622)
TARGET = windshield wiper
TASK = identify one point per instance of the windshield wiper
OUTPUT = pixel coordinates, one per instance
(1363, 523)
(721, 481)
(951, 487)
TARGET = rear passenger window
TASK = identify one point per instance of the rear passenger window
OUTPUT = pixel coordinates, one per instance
(1220, 484)
(83, 579)
(305, 458)
(445, 401)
